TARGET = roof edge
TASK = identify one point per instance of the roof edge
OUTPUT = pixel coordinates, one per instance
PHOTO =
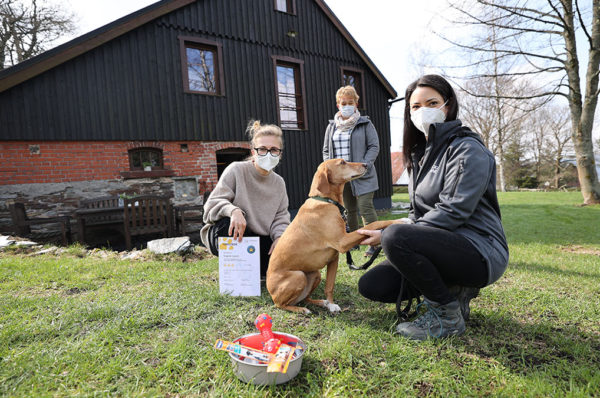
(39, 64)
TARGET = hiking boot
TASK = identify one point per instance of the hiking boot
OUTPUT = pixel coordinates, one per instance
(371, 251)
(464, 295)
(437, 322)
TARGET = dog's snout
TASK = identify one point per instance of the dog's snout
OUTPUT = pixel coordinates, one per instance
(364, 165)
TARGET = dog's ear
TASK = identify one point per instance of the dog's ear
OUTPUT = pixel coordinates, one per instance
(320, 182)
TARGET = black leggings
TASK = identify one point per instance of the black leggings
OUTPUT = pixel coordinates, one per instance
(431, 259)
(221, 228)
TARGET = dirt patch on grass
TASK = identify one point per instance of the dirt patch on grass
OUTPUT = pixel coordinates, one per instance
(581, 250)
(51, 290)
(423, 388)
(75, 290)
(75, 251)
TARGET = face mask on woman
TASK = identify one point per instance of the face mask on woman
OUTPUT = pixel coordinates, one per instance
(347, 110)
(424, 117)
(267, 162)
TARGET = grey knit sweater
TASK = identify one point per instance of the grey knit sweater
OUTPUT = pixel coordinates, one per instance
(262, 198)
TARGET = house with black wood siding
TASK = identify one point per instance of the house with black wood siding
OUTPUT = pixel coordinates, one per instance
(158, 101)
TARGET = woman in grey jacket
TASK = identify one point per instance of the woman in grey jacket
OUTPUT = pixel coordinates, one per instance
(452, 243)
(353, 137)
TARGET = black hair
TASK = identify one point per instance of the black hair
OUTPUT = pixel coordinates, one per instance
(413, 136)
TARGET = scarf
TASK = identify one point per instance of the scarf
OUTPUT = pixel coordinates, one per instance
(348, 124)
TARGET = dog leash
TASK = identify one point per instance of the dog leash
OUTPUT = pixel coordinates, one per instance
(344, 214)
(368, 263)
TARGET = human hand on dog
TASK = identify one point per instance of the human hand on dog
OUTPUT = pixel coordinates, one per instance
(237, 225)
(273, 245)
(374, 236)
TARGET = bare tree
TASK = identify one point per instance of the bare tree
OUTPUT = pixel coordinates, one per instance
(496, 118)
(549, 129)
(539, 38)
(29, 27)
(561, 139)
(479, 112)
(537, 138)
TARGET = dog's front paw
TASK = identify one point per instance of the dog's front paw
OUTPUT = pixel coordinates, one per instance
(333, 308)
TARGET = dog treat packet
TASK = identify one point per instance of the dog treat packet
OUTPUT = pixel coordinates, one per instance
(243, 351)
(281, 360)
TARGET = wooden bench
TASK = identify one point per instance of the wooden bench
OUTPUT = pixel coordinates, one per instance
(147, 214)
(98, 212)
(22, 224)
(186, 215)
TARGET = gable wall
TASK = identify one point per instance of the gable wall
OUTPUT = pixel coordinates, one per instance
(131, 88)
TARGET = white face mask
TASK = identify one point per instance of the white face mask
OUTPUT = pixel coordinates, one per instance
(347, 110)
(424, 117)
(267, 162)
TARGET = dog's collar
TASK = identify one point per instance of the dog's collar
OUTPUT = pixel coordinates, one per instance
(342, 209)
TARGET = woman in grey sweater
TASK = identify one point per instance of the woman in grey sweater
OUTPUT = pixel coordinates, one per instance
(452, 243)
(250, 199)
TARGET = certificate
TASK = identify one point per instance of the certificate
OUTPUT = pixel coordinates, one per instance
(239, 266)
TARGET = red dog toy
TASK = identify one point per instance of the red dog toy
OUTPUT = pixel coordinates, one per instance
(264, 323)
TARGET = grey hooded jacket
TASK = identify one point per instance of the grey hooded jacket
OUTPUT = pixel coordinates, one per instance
(364, 148)
(453, 186)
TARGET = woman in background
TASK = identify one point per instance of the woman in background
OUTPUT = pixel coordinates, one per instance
(353, 137)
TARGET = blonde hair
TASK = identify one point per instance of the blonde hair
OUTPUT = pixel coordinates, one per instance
(346, 91)
(256, 130)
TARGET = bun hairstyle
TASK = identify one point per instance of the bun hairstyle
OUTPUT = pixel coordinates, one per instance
(256, 130)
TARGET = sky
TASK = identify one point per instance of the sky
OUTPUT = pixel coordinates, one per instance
(395, 34)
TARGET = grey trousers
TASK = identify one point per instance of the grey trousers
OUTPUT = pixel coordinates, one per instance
(356, 204)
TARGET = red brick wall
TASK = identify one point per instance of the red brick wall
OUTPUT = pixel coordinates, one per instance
(67, 161)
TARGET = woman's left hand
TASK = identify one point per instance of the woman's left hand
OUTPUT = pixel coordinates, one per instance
(273, 246)
(373, 236)
(237, 225)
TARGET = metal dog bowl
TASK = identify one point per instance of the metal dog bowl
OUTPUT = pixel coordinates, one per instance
(256, 373)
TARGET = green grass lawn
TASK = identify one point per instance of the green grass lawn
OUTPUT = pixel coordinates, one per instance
(76, 325)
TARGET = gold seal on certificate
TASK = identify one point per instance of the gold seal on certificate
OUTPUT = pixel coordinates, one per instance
(239, 266)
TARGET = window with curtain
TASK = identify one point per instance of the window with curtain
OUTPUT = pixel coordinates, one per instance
(290, 95)
(285, 6)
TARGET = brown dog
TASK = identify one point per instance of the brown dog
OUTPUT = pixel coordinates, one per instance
(314, 239)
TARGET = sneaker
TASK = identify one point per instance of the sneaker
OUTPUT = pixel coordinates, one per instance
(437, 322)
(464, 295)
(371, 251)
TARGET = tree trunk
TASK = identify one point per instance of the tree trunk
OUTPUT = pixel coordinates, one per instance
(582, 113)
(500, 162)
(556, 173)
(500, 120)
(586, 166)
